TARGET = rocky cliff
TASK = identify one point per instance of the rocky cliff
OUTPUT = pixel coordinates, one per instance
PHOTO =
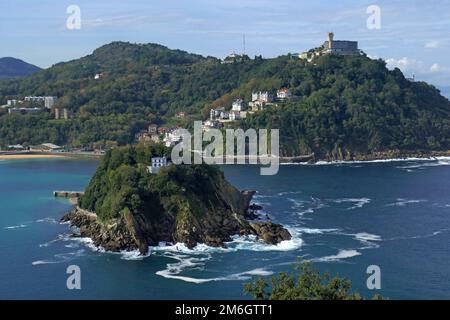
(125, 208)
(131, 232)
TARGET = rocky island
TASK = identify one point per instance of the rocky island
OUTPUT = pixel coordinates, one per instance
(127, 208)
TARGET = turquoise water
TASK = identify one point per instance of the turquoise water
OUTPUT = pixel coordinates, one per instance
(344, 218)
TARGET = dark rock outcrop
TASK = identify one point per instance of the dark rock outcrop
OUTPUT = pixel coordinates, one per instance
(270, 232)
(134, 231)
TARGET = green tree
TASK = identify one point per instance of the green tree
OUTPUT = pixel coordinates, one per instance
(308, 284)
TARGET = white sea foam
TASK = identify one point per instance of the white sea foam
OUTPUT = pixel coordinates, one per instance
(364, 236)
(443, 160)
(196, 258)
(368, 240)
(342, 254)
(251, 243)
(182, 248)
(424, 236)
(88, 242)
(185, 263)
(403, 202)
(47, 220)
(280, 194)
(316, 231)
(305, 207)
(134, 255)
(358, 202)
(60, 258)
(20, 226)
(436, 162)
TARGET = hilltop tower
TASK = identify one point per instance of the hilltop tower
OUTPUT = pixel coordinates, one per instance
(330, 36)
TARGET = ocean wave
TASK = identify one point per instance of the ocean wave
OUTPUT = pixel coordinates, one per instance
(358, 202)
(436, 162)
(47, 220)
(317, 231)
(20, 226)
(341, 255)
(251, 243)
(285, 193)
(303, 207)
(196, 258)
(443, 160)
(403, 202)
(60, 258)
(134, 255)
(424, 236)
(364, 236)
(87, 242)
(186, 263)
(182, 248)
(368, 240)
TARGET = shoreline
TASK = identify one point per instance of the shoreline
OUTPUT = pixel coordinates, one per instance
(45, 155)
(379, 160)
(374, 158)
(30, 156)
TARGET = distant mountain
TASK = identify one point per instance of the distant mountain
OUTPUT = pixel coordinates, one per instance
(16, 68)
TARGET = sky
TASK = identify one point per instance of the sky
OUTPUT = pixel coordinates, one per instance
(412, 35)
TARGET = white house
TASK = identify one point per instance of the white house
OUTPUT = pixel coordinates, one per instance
(215, 113)
(172, 137)
(284, 94)
(235, 115)
(261, 96)
(238, 105)
(157, 164)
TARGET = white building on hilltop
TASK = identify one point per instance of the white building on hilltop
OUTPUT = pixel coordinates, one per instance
(238, 105)
(157, 164)
(261, 96)
(172, 137)
(284, 94)
(49, 101)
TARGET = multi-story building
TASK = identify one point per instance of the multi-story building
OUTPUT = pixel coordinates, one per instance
(262, 96)
(339, 47)
(334, 47)
(157, 164)
(24, 110)
(284, 94)
(172, 137)
(238, 105)
(235, 115)
(48, 101)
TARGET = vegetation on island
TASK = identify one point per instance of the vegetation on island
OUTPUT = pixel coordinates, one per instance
(346, 104)
(307, 284)
(122, 184)
(188, 204)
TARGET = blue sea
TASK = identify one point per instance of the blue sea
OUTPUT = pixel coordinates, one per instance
(343, 217)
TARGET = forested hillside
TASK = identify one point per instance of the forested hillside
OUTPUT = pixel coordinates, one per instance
(345, 104)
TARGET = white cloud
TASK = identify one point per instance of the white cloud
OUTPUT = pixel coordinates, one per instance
(435, 67)
(433, 44)
(405, 64)
(434, 73)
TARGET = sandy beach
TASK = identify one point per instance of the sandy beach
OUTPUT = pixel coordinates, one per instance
(29, 156)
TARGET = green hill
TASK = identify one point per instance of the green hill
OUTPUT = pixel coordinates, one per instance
(346, 104)
(126, 208)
